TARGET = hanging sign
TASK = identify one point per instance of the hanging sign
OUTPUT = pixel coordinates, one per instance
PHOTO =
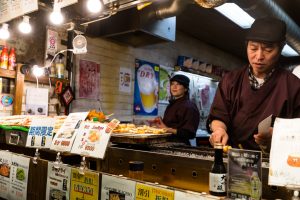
(84, 186)
(19, 177)
(92, 138)
(58, 182)
(117, 188)
(64, 138)
(40, 133)
(148, 192)
(285, 153)
(244, 174)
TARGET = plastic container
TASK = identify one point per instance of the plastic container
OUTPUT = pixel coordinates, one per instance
(60, 67)
(12, 59)
(4, 58)
(136, 170)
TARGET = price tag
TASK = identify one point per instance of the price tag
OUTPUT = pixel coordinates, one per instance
(148, 192)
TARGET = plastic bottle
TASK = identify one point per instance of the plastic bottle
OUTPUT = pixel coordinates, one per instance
(255, 186)
(217, 175)
(12, 59)
(4, 58)
(60, 67)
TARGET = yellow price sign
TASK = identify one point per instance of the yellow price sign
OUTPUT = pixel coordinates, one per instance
(147, 192)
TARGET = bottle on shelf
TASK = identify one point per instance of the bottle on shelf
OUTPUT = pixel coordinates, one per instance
(136, 170)
(60, 67)
(4, 58)
(217, 174)
(255, 186)
(12, 59)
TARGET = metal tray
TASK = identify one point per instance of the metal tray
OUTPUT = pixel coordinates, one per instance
(132, 138)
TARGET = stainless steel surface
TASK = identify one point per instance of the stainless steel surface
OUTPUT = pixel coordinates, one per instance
(187, 169)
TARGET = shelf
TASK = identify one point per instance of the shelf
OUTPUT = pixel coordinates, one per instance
(45, 80)
(7, 73)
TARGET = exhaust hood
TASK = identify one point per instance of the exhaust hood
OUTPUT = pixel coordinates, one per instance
(135, 28)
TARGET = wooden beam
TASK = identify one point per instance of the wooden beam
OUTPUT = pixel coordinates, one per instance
(19, 86)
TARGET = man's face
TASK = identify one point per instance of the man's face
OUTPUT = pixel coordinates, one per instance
(262, 57)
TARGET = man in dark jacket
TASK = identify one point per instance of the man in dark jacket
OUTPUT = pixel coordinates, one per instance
(248, 95)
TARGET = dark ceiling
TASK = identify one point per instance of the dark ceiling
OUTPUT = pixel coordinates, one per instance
(213, 28)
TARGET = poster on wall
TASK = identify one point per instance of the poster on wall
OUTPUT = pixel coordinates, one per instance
(58, 182)
(51, 42)
(5, 167)
(164, 83)
(40, 133)
(19, 177)
(125, 80)
(84, 186)
(89, 79)
(146, 88)
(36, 101)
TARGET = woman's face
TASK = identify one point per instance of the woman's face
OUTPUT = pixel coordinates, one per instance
(262, 57)
(177, 90)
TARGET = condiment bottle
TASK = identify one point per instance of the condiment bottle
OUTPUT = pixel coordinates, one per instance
(12, 59)
(4, 58)
(217, 175)
(136, 170)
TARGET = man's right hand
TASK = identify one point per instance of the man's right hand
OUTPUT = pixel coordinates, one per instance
(219, 134)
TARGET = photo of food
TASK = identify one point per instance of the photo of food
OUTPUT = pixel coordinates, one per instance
(66, 134)
(20, 175)
(294, 160)
(5, 170)
(94, 136)
(56, 194)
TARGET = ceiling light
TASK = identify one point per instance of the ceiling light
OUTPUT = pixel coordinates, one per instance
(236, 14)
(94, 6)
(25, 26)
(288, 51)
(4, 33)
(37, 71)
(56, 17)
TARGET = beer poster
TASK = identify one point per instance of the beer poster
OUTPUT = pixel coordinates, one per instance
(113, 187)
(64, 138)
(19, 177)
(5, 167)
(84, 186)
(146, 88)
(40, 133)
(58, 181)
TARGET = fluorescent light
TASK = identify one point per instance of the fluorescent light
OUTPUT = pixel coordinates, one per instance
(236, 14)
(288, 51)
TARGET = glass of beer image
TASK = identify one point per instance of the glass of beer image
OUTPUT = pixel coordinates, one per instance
(148, 87)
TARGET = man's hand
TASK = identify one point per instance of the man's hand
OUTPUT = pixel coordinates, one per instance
(219, 135)
(264, 139)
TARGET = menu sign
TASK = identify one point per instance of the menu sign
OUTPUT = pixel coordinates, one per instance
(244, 174)
(117, 188)
(58, 182)
(5, 167)
(12, 9)
(147, 192)
(64, 138)
(19, 177)
(40, 133)
(92, 138)
(285, 153)
(84, 186)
